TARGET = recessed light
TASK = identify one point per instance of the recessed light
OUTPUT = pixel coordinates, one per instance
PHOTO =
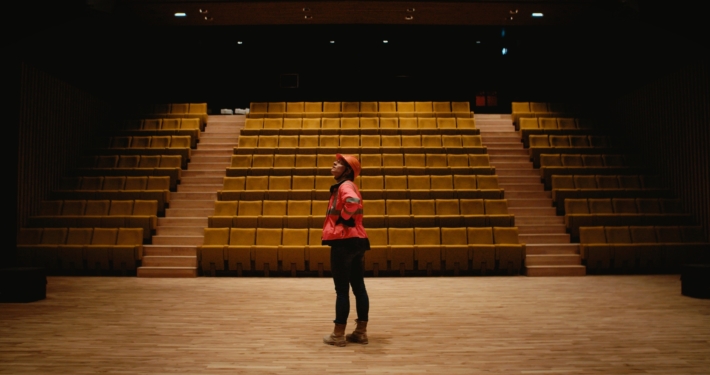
(332, 42)
(478, 42)
(208, 18)
(408, 17)
(306, 9)
(204, 11)
(410, 10)
(308, 17)
(504, 51)
(514, 11)
(385, 41)
(537, 14)
(180, 14)
(239, 42)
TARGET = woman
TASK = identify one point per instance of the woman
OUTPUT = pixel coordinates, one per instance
(344, 233)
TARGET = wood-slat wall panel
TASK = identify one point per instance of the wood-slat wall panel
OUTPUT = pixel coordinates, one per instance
(56, 123)
(670, 122)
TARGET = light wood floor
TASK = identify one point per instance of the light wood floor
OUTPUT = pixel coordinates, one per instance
(464, 325)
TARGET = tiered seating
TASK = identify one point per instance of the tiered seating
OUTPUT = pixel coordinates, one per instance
(623, 211)
(161, 127)
(354, 144)
(80, 249)
(374, 164)
(358, 109)
(569, 144)
(360, 126)
(642, 248)
(605, 186)
(155, 188)
(398, 250)
(373, 187)
(554, 126)
(382, 213)
(582, 164)
(98, 214)
(178, 110)
(148, 145)
(522, 110)
(132, 165)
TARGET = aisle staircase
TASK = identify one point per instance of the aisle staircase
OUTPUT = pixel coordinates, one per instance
(173, 252)
(548, 248)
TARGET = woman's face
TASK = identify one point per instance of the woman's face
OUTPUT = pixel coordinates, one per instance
(338, 168)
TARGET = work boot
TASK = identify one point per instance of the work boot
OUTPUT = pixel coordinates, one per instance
(337, 338)
(359, 335)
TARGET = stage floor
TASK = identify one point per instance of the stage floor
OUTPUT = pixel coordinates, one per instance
(452, 325)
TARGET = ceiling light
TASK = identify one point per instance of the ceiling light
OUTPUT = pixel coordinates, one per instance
(208, 18)
(410, 10)
(385, 41)
(537, 14)
(239, 42)
(306, 9)
(180, 14)
(504, 51)
(408, 17)
(514, 11)
(308, 17)
(478, 42)
(204, 11)
(332, 42)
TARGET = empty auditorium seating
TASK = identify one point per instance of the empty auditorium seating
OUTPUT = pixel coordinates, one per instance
(80, 249)
(405, 251)
(132, 165)
(642, 248)
(155, 188)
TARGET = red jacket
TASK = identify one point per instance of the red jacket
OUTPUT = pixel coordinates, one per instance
(344, 216)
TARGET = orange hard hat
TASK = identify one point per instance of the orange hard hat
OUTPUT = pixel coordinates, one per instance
(352, 162)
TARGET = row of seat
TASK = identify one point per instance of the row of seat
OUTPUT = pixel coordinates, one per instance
(392, 249)
(331, 144)
(164, 127)
(538, 109)
(177, 110)
(555, 126)
(372, 164)
(99, 214)
(650, 248)
(361, 123)
(80, 248)
(605, 186)
(360, 109)
(587, 164)
(569, 144)
(116, 188)
(372, 187)
(131, 165)
(378, 213)
(623, 211)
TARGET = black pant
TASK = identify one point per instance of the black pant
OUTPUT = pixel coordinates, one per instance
(347, 268)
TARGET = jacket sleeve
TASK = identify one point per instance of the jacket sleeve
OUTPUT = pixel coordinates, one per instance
(350, 200)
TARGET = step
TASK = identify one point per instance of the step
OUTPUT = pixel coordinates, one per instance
(169, 261)
(204, 180)
(509, 158)
(168, 250)
(553, 260)
(196, 188)
(535, 238)
(521, 202)
(532, 211)
(508, 151)
(178, 240)
(512, 194)
(207, 152)
(499, 133)
(180, 230)
(189, 212)
(503, 145)
(191, 203)
(551, 248)
(519, 179)
(221, 133)
(183, 222)
(541, 228)
(216, 146)
(201, 171)
(188, 195)
(527, 220)
(555, 271)
(502, 172)
(210, 159)
(522, 187)
(515, 165)
(167, 272)
(204, 165)
(511, 138)
(223, 140)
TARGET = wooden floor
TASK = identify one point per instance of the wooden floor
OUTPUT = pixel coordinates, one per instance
(453, 325)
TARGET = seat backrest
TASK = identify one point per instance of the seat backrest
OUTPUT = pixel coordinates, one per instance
(398, 207)
(121, 208)
(104, 236)
(585, 182)
(427, 236)
(273, 123)
(592, 235)
(642, 234)
(401, 236)
(505, 235)
(225, 208)
(73, 207)
(216, 236)
(562, 182)
(299, 207)
(274, 208)
(617, 234)
(600, 206)
(496, 206)
(423, 207)
(79, 236)
(242, 236)
(249, 208)
(472, 206)
(268, 236)
(295, 236)
(624, 206)
(447, 206)
(149, 161)
(576, 206)
(480, 236)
